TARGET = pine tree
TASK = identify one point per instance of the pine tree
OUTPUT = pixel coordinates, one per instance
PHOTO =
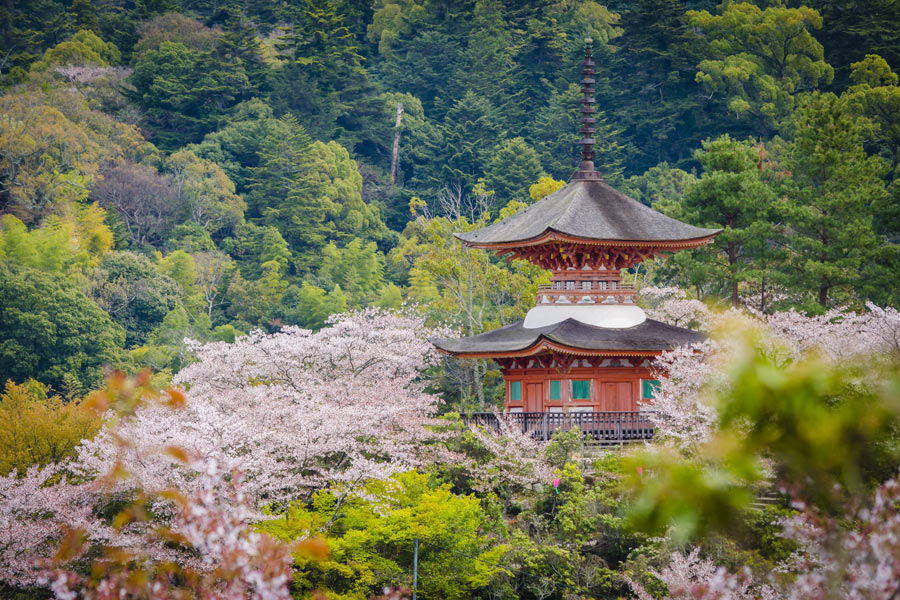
(732, 195)
(423, 68)
(487, 65)
(829, 192)
(649, 90)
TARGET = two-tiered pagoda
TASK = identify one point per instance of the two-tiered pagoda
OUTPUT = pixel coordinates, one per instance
(586, 346)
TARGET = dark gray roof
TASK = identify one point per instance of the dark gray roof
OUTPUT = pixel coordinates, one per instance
(650, 335)
(591, 210)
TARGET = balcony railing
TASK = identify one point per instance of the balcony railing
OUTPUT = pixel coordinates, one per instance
(621, 294)
(606, 428)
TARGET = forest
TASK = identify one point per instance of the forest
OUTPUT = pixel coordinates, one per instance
(227, 233)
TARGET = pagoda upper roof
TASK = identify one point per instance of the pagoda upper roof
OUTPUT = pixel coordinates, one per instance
(589, 211)
(570, 336)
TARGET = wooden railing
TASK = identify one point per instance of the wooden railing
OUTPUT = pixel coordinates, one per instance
(603, 427)
(621, 294)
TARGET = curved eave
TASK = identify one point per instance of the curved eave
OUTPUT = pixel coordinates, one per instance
(544, 344)
(550, 235)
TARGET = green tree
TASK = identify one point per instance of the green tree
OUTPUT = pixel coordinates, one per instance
(322, 42)
(829, 193)
(649, 91)
(325, 84)
(422, 68)
(184, 92)
(238, 149)
(310, 306)
(181, 268)
(166, 350)
(68, 246)
(392, 19)
(258, 302)
(84, 16)
(416, 135)
(84, 49)
(488, 64)
(281, 159)
(760, 59)
(240, 46)
(357, 268)
(876, 95)
(27, 28)
(207, 192)
(662, 186)
(47, 160)
(50, 330)
(255, 245)
(854, 28)
(134, 294)
(732, 195)
(370, 537)
(543, 188)
(323, 203)
(470, 131)
(544, 49)
(513, 167)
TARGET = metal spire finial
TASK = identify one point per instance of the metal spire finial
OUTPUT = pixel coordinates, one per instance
(587, 170)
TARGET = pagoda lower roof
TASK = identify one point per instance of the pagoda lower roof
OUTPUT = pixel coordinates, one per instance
(591, 212)
(571, 337)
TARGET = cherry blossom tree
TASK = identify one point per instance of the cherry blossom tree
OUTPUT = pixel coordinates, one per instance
(294, 411)
(691, 577)
(32, 512)
(859, 562)
(516, 459)
(671, 305)
(221, 555)
(681, 410)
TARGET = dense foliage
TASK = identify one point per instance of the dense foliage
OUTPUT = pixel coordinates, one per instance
(201, 170)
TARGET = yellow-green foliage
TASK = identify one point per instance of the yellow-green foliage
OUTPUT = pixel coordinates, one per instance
(62, 244)
(83, 49)
(39, 429)
(371, 540)
(544, 187)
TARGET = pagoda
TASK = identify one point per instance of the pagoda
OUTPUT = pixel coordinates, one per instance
(586, 347)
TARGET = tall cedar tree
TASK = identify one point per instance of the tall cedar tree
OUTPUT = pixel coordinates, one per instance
(470, 132)
(651, 88)
(326, 85)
